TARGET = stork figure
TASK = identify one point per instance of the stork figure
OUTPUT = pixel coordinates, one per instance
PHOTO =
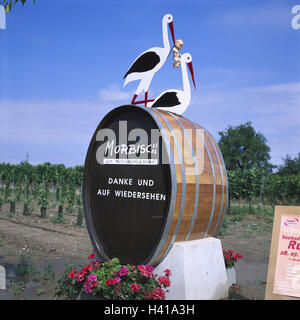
(150, 61)
(177, 101)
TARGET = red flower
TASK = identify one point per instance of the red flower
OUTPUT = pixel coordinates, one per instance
(141, 267)
(91, 256)
(79, 276)
(158, 294)
(145, 271)
(72, 273)
(87, 268)
(96, 264)
(123, 271)
(110, 281)
(164, 281)
(135, 287)
(168, 272)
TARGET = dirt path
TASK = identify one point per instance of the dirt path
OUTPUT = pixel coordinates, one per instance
(47, 242)
(67, 242)
(61, 244)
(252, 238)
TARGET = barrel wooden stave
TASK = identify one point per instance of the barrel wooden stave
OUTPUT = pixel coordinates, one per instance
(223, 174)
(163, 118)
(185, 208)
(212, 188)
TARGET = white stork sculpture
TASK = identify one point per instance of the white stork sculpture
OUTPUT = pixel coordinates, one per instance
(177, 101)
(149, 62)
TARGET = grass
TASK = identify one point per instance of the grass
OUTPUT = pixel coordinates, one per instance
(258, 210)
(48, 273)
(26, 268)
(17, 287)
(238, 213)
(58, 219)
(40, 291)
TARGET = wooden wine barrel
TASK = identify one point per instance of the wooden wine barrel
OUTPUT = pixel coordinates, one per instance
(151, 178)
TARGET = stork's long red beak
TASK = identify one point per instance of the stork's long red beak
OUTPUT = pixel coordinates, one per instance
(172, 31)
(192, 73)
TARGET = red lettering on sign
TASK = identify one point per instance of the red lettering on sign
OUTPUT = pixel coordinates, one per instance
(294, 245)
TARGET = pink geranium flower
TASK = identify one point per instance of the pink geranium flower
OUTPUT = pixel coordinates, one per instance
(135, 287)
(168, 272)
(164, 281)
(91, 256)
(123, 271)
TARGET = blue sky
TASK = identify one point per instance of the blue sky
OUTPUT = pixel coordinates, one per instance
(62, 65)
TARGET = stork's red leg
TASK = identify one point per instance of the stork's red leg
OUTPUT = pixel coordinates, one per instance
(133, 99)
(143, 101)
(146, 98)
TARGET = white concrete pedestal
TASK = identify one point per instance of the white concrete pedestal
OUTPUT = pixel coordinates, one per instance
(198, 270)
(2, 278)
(231, 276)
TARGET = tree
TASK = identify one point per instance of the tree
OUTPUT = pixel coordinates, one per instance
(290, 166)
(8, 4)
(243, 148)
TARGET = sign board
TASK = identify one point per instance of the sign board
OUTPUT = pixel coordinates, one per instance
(2, 18)
(283, 281)
(151, 178)
(129, 189)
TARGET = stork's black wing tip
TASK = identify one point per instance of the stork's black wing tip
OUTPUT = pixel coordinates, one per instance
(168, 99)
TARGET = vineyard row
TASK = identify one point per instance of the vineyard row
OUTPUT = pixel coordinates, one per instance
(46, 184)
(42, 185)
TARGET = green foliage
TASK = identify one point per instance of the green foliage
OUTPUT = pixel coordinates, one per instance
(45, 183)
(238, 211)
(48, 273)
(283, 189)
(244, 184)
(243, 148)
(58, 218)
(250, 176)
(17, 287)
(290, 166)
(78, 200)
(27, 199)
(1, 197)
(223, 230)
(43, 198)
(71, 194)
(66, 286)
(26, 268)
(113, 281)
(40, 291)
